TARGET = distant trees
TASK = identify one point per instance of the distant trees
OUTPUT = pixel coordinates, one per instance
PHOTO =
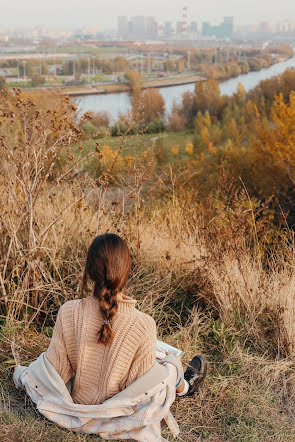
(169, 65)
(38, 80)
(44, 68)
(180, 64)
(26, 69)
(121, 64)
(267, 89)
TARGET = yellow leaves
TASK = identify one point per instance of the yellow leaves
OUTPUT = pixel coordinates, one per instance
(274, 151)
(211, 148)
(107, 151)
(232, 130)
(207, 119)
(189, 148)
(202, 120)
(175, 149)
(229, 148)
(241, 91)
(153, 105)
(111, 157)
(129, 161)
(205, 136)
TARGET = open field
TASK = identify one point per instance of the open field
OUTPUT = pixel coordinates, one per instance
(140, 142)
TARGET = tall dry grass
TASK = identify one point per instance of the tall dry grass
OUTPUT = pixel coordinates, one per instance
(194, 263)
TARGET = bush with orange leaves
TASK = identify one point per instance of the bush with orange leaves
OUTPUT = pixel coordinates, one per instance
(274, 154)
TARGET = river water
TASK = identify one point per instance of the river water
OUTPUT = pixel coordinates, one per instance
(118, 103)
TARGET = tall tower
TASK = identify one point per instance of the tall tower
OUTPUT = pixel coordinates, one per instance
(184, 22)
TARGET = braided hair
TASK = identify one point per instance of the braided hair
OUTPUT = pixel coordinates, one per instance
(108, 266)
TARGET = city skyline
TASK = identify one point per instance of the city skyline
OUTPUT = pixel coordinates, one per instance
(71, 15)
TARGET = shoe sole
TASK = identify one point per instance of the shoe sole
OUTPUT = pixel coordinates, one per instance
(199, 376)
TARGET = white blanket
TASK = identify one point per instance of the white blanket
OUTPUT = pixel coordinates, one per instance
(134, 413)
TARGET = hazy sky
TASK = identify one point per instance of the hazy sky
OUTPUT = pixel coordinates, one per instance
(103, 13)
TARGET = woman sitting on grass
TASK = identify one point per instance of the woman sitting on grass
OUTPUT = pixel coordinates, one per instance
(106, 347)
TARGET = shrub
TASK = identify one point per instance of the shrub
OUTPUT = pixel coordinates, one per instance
(154, 127)
(38, 80)
(89, 128)
(100, 119)
(176, 122)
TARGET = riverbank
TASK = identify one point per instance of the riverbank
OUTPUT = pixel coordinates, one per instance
(123, 87)
(117, 103)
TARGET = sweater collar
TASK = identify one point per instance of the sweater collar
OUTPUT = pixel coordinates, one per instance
(125, 303)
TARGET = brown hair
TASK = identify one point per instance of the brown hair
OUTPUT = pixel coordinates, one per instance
(108, 266)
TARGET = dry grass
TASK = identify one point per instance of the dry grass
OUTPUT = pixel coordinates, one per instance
(196, 270)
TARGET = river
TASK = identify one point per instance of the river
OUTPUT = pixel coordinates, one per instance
(118, 103)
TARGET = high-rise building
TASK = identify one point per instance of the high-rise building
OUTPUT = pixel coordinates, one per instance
(227, 27)
(184, 20)
(285, 26)
(123, 28)
(168, 29)
(193, 28)
(151, 27)
(179, 27)
(138, 26)
(224, 30)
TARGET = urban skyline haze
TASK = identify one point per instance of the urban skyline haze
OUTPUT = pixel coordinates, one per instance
(69, 14)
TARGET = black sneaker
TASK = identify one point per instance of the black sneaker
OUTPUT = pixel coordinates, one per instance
(195, 373)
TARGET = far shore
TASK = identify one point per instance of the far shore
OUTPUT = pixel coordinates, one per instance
(113, 88)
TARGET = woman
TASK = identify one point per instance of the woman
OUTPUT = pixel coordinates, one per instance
(104, 344)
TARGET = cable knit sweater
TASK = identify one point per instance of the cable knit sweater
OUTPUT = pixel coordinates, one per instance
(101, 371)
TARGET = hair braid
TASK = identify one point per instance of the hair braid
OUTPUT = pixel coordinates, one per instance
(108, 307)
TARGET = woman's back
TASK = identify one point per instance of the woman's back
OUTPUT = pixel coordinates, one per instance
(101, 371)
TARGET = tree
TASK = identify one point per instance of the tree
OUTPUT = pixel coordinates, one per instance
(205, 136)
(275, 147)
(26, 69)
(180, 64)
(199, 122)
(188, 107)
(208, 96)
(169, 65)
(121, 64)
(176, 122)
(153, 105)
(232, 130)
(38, 80)
(134, 80)
(44, 68)
(240, 95)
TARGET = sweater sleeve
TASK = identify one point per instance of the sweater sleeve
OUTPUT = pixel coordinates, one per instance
(145, 356)
(57, 352)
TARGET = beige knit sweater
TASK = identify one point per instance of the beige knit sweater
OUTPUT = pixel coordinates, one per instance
(101, 371)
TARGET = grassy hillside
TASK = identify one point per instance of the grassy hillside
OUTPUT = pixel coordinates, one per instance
(213, 272)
